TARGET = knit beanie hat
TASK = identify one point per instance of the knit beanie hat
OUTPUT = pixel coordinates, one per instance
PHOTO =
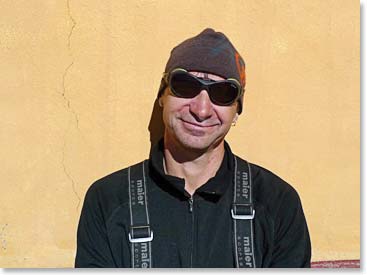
(209, 52)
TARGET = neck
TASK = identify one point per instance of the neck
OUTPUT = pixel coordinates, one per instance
(195, 166)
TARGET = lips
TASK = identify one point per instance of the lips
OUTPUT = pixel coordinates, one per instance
(198, 125)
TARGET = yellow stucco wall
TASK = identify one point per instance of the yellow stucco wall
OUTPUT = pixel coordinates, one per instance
(78, 83)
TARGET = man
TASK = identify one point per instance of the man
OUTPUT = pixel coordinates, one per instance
(194, 203)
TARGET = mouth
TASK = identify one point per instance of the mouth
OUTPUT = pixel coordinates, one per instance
(197, 125)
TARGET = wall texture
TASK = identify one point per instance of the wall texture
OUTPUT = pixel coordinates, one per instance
(78, 84)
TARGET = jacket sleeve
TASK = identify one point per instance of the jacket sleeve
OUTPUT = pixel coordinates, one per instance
(292, 240)
(93, 248)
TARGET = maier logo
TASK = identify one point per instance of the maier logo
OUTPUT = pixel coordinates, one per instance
(141, 257)
(140, 190)
(245, 252)
(245, 186)
(144, 255)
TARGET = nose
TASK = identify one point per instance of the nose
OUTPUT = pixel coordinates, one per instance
(201, 106)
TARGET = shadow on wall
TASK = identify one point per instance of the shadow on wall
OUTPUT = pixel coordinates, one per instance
(156, 126)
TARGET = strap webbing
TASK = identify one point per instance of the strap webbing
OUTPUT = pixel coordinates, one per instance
(243, 213)
(140, 234)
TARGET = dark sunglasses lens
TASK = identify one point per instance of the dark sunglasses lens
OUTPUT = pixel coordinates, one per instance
(224, 93)
(184, 85)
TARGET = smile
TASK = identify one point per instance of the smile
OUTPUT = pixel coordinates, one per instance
(196, 125)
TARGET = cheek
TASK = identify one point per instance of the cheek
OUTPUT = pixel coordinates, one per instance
(165, 115)
(173, 105)
(170, 110)
(227, 114)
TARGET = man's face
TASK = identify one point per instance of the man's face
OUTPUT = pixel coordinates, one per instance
(196, 123)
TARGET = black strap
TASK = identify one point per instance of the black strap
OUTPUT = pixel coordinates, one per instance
(140, 235)
(243, 213)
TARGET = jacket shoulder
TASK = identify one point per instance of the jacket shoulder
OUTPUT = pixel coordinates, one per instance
(268, 182)
(109, 192)
(272, 192)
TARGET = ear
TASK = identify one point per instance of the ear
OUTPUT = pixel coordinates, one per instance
(235, 118)
(160, 102)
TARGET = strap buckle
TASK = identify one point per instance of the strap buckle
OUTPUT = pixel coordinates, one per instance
(243, 211)
(140, 234)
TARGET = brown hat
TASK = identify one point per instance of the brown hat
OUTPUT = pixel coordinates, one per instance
(210, 52)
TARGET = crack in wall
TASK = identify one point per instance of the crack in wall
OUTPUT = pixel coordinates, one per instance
(73, 184)
(66, 98)
(69, 107)
(70, 65)
(72, 20)
(2, 237)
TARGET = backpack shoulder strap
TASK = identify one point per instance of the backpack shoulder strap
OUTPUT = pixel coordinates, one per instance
(140, 234)
(243, 214)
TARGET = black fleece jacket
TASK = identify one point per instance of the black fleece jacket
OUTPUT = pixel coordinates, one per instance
(198, 238)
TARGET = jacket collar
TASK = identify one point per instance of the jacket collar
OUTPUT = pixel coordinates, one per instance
(214, 188)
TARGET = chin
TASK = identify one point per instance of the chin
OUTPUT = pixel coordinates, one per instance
(199, 143)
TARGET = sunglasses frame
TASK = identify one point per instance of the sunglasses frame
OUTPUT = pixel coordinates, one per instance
(205, 85)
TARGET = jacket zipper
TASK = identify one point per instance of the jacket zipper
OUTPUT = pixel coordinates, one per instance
(191, 209)
(191, 206)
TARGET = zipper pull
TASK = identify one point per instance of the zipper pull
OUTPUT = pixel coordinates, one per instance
(191, 202)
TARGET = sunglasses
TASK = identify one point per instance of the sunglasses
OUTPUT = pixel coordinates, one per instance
(185, 85)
